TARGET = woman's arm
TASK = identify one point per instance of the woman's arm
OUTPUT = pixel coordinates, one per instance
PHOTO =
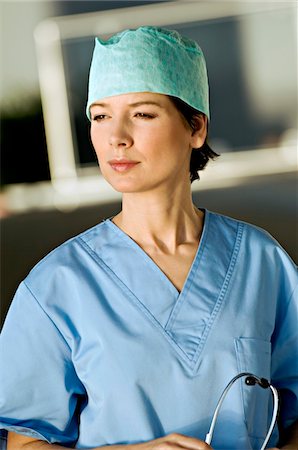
(173, 441)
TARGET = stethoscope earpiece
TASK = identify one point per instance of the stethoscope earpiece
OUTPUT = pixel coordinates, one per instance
(250, 380)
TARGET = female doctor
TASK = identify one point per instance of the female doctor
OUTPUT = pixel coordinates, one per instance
(127, 334)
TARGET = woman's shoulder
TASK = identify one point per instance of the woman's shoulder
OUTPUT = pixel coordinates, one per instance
(250, 232)
(256, 243)
(71, 254)
(62, 279)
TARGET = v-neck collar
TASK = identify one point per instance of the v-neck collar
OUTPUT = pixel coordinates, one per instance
(178, 294)
(184, 319)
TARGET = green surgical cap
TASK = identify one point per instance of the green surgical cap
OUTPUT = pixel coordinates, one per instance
(149, 59)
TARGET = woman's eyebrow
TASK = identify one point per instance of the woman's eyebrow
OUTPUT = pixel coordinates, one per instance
(140, 103)
(148, 102)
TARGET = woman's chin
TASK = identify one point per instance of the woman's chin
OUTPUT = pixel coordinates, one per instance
(125, 186)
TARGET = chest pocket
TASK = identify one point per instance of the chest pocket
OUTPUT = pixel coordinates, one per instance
(254, 356)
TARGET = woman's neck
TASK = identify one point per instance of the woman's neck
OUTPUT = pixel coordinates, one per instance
(160, 221)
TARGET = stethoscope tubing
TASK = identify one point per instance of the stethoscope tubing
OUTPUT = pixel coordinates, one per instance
(257, 380)
(274, 416)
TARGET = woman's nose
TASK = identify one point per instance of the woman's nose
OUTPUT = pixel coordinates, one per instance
(120, 137)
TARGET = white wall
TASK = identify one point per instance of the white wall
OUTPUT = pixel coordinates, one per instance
(269, 43)
(18, 69)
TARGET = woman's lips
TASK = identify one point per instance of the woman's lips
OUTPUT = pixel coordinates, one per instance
(122, 165)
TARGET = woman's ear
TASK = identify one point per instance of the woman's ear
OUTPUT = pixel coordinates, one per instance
(199, 134)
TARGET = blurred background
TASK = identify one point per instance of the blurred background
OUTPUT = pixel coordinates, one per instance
(51, 187)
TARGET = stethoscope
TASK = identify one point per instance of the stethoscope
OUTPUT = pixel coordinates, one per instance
(251, 380)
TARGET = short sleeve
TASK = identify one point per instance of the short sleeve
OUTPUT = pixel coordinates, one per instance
(40, 393)
(285, 357)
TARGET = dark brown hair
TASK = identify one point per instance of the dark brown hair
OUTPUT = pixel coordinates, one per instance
(199, 157)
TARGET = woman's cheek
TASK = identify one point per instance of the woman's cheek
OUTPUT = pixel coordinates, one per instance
(101, 162)
(96, 135)
(97, 142)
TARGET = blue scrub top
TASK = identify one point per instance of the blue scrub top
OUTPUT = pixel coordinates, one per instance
(100, 348)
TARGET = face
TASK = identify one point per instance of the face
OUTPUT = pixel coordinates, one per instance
(142, 142)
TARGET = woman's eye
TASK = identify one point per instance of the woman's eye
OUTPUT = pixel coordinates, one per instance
(99, 117)
(145, 115)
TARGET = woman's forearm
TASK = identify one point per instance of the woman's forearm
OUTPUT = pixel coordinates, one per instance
(17, 441)
(173, 441)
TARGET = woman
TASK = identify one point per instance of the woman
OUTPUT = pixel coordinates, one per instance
(128, 333)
